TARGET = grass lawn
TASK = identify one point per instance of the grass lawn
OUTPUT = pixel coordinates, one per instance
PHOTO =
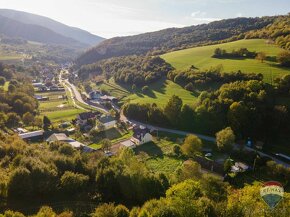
(160, 92)
(113, 134)
(201, 58)
(164, 164)
(48, 105)
(53, 110)
(157, 156)
(5, 87)
(95, 145)
(62, 115)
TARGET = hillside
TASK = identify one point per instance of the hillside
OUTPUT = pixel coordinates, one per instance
(13, 28)
(173, 39)
(201, 57)
(67, 31)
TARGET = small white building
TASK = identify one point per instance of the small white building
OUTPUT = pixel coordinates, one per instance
(141, 135)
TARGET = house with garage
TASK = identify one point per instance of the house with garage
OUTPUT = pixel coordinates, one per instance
(141, 135)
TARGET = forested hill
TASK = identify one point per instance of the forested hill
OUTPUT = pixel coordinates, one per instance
(174, 38)
(13, 28)
(57, 27)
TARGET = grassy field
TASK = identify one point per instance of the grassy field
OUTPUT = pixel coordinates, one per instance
(58, 110)
(201, 58)
(157, 156)
(160, 92)
(62, 115)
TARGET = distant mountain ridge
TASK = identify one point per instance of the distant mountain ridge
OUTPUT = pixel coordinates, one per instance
(173, 39)
(13, 28)
(71, 34)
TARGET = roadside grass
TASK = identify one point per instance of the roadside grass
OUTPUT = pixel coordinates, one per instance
(201, 58)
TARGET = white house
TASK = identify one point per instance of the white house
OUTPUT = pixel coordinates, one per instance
(141, 135)
(108, 121)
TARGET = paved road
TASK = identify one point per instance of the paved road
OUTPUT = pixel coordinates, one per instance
(179, 132)
(77, 96)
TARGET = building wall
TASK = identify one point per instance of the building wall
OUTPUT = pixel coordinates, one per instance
(147, 138)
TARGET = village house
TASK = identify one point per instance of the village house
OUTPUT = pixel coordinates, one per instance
(61, 137)
(83, 118)
(141, 135)
(95, 95)
(108, 121)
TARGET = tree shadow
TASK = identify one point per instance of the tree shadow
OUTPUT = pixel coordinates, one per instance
(271, 59)
(139, 94)
(150, 148)
(159, 86)
(150, 94)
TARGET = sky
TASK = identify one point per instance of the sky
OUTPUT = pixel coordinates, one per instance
(110, 18)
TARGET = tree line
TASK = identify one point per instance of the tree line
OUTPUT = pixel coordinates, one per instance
(240, 53)
(250, 108)
(192, 78)
(138, 70)
(17, 103)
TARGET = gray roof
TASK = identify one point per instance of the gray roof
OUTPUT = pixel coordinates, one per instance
(31, 134)
(106, 119)
(58, 137)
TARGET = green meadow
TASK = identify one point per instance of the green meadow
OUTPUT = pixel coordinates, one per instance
(201, 57)
(159, 93)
